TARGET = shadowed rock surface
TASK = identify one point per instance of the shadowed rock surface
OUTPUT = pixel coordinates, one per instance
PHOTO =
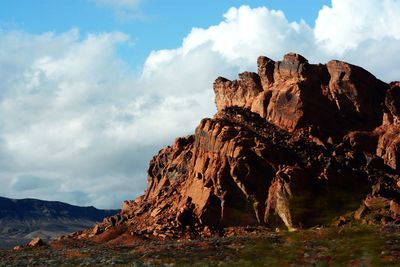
(24, 219)
(295, 145)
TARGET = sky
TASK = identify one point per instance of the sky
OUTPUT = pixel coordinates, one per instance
(90, 90)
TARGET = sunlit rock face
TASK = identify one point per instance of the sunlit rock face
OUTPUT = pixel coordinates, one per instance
(292, 94)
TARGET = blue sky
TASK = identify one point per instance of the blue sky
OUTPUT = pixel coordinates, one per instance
(151, 24)
(90, 90)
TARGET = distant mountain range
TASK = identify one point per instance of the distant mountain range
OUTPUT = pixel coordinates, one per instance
(23, 219)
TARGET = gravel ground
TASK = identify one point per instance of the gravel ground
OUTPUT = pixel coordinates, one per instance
(345, 246)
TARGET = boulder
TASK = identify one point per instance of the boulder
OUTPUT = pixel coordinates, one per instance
(97, 230)
(18, 248)
(36, 242)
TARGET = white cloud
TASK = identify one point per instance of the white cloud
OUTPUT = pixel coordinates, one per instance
(365, 33)
(74, 117)
(348, 23)
(72, 112)
(62, 97)
(246, 33)
(237, 41)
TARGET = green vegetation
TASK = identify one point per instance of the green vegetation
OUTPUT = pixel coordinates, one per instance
(360, 245)
(348, 246)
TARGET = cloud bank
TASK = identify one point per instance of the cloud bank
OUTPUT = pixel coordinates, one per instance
(77, 125)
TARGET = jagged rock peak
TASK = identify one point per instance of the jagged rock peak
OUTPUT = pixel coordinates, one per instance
(293, 94)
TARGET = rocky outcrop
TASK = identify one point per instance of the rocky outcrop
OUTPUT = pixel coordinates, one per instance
(337, 97)
(389, 141)
(239, 93)
(384, 141)
(295, 145)
(36, 242)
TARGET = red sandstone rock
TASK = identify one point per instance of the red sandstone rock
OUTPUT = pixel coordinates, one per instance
(394, 207)
(376, 202)
(297, 144)
(97, 230)
(36, 242)
(237, 93)
(338, 97)
(384, 141)
(266, 71)
(239, 169)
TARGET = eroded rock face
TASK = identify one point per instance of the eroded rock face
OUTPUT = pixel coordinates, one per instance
(297, 144)
(337, 97)
(240, 93)
(384, 141)
(388, 146)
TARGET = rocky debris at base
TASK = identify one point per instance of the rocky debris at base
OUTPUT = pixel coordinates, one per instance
(18, 248)
(239, 246)
(34, 243)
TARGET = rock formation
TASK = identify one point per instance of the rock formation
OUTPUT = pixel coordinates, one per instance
(295, 145)
(36, 242)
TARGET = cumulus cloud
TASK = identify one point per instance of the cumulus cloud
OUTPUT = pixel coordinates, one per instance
(68, 111)
(242, 36)
(74, 118)
(73, 113)
(348, 23)
(365, 33)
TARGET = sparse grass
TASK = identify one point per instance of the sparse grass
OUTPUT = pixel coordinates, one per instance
(345, 246)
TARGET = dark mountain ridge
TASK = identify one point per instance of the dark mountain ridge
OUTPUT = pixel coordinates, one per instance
(30, 208)
(24, 219)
